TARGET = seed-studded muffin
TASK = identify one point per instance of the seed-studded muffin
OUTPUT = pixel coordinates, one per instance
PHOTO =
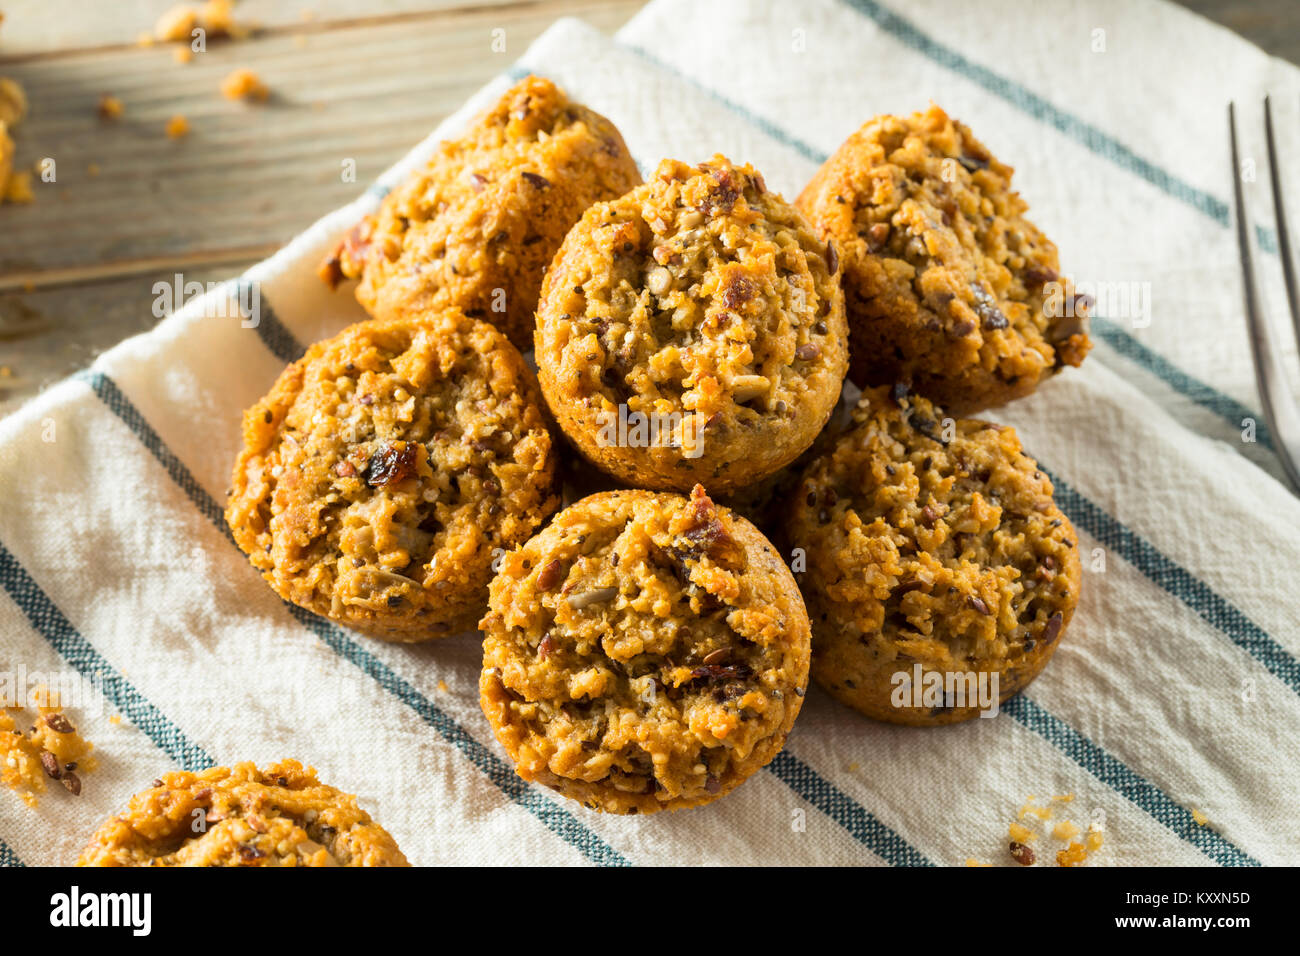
(947, 286)
(692, 331)
(476, 227)
(644, 652)
(934, 542)
(242, 816)
(387, 467)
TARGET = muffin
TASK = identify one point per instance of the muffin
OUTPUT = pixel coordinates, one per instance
(477, 226)
(935, 556)
(242, 816)
(692, 331)
(643, 652)
(387, 467)
(948, 287)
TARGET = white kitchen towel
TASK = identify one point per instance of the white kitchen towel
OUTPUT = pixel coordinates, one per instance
(1171, 713)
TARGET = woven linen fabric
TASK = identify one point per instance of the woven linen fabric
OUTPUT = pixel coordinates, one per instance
(1171, 713)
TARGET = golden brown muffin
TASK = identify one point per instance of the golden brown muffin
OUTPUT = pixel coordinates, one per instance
(242, 816)
(930, 543)
(692, 331)
(948, 287)
(387, 467)
(644, 652)
(477, 226)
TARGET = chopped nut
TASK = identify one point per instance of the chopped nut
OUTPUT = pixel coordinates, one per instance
(549, 576)
(1073, 855)
(659, 280)
(1022, 854)
(594, 596)
(745, 388)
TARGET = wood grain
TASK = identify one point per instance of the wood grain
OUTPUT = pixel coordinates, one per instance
(358, 81)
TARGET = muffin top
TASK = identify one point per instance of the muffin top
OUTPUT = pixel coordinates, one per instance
(934, 539)
(644, 651)
(703, 299)
(948, 286)
(242, 816)
(387, 465)
(477, 225)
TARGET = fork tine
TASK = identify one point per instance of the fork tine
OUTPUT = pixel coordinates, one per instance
(1274, 396)
(1279, 213)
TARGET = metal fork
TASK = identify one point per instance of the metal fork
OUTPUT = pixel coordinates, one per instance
(1279, 405)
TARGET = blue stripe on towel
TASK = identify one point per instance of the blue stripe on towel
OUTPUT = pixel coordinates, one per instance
(844, 810)
(1120, 778)
(8, 857)
(1172, 577)
(58, 631)
(857, 820)
(560, 821)
(1225, 406)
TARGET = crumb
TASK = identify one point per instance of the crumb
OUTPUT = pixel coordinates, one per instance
(182, 54)
(1064, 798)
(13, 102)
(1073, 855)
(6, 372)
(1065, 831)
(1021, 834)
(218, 19)
(971, 861)
(177, 127)
(115, 719)
(854, 767)
(144, 39)
(1043, 813)
(442, 686)
(110, 107)
(18, 188)
(176, 24)
(52, 749)
(92, 170)
(1094, 838)
(244, 85)
(1200, 818)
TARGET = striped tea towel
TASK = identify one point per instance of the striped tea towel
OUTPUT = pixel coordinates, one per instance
(1171, 713)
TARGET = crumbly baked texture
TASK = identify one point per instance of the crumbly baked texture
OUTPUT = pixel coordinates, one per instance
(386, 469)
(644, 652)
(930, 541)
(948, 287)
(477, 226)
(50, 748)
(242, 816)
(701, 305)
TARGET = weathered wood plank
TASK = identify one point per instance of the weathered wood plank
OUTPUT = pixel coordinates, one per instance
(48, 334)
(247, 177)
(30, 29)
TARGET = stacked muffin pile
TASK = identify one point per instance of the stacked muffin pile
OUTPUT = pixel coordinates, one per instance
(647, 646)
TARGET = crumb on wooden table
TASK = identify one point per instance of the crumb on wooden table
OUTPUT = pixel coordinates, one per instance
(18, 188)
(110, 107)
(177, 127)
(182, 54)
(244, 84)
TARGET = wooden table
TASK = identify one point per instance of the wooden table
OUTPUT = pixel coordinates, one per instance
(359, 79)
